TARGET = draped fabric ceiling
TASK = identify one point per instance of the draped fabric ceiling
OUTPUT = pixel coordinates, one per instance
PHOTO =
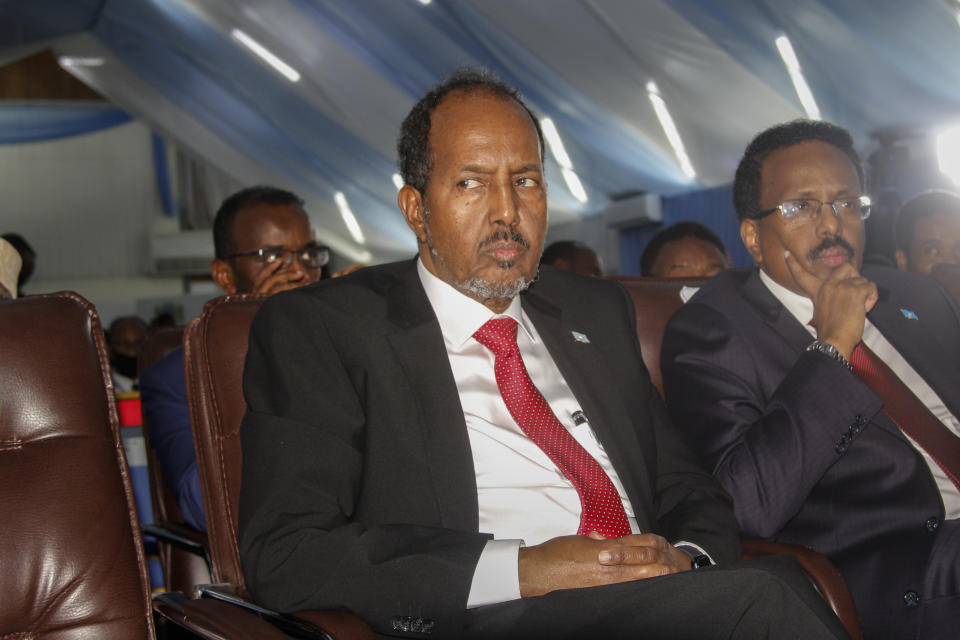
(871, 64)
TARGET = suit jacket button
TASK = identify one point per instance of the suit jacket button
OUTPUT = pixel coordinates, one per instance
(932, 524)
(912, 599)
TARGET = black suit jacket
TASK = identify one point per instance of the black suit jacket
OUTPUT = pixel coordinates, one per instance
(358, 483)
(803, 447)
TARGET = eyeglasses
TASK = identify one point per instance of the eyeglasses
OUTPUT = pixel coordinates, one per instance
(804, 210)
(312, 256)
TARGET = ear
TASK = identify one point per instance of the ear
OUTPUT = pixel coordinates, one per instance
(901, 257)
(222, 273)
(411, 204)
(750, 236)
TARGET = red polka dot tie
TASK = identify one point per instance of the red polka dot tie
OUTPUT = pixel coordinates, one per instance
(601, 508)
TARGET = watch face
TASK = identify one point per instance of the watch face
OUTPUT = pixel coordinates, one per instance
(701, 561)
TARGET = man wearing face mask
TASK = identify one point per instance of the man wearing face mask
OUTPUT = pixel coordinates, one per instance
(823, 395)
(124, 338)
(264, 244)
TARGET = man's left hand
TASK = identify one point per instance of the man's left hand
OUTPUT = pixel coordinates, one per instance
(644, 548)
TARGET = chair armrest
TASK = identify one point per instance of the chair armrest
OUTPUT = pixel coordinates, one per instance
(305, 625)
(214, 619)
(180, 536)
(824, 575)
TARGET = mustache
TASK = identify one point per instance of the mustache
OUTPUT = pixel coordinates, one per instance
(830, 243)
(505, 236)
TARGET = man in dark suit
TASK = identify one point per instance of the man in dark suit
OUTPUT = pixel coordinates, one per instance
(764, 372)
(394, 453)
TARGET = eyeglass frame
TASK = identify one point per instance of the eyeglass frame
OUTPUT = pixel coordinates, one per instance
(289, 255)
(864, 200)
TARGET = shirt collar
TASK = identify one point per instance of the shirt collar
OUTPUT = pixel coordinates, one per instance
(460, 315)
(801, 307)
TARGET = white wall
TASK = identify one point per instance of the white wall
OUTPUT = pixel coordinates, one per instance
(86, 204)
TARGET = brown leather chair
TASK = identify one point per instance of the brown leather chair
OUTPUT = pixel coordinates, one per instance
(655, 300)
(949, 277)
(215, 347)
(182, 549)
(72, 558)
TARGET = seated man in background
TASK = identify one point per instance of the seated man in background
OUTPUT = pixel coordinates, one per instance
(684, 250)
(124, 337)
(825, 398)
(410, 426)
(573, 256)
(927, 231)
(264, 244)
(10, 262)
(28, 258)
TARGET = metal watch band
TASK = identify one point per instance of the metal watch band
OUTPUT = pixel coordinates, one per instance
(829, 350)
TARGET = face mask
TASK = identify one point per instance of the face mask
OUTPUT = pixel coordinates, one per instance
(124, 365)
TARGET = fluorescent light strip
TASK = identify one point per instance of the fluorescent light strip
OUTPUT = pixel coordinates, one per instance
(574, 185)
(948, 153)
(555, 143)
(670, 129)
(398, 181)
(348, 218)
(796, 76)
(285, 70)
(67, 61)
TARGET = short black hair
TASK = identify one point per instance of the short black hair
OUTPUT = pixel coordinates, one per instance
(563, 250)
(921, 206)
(676, 232)
(746, 184)
(223, 222)
(413, 146)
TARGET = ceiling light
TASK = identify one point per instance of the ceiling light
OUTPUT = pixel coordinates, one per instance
(948, 153)
(266, 55)
(68, 61)
(348, 218)
(398, 181)
(670, 129)
(574, 185)
(796, 75)
(424, 2)
(555, 143)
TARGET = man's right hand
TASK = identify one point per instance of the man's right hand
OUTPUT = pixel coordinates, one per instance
(571, 562)
(274, 278)
(840, 303)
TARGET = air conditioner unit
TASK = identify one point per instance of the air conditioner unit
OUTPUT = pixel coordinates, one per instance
(184, 253)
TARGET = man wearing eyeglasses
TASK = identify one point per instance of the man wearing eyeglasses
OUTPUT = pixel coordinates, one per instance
(263, 244)
(824, 397)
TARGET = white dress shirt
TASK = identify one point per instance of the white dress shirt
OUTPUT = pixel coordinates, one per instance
(524, 498)
(801, 308)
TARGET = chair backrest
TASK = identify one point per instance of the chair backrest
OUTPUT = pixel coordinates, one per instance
(215, 347)
(949, 277)
(72, 561)
(655, 300)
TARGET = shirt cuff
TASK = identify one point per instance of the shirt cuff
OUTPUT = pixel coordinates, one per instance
(496, 578)
(693, 550)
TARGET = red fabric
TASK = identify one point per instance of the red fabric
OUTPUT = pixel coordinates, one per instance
(128, 409)
(601, 508)
(906, 410)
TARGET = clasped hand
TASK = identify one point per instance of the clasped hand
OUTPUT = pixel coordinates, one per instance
(570, 562)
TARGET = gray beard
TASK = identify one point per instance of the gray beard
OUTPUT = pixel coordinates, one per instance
(478, 288)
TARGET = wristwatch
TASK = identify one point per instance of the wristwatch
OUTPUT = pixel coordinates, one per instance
(701, 561)
(830, 351)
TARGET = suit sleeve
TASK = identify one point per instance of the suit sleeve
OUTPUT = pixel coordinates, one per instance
(163, 393)
(305, 540)
(768, 433)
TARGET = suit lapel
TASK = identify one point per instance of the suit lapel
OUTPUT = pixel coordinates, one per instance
(918, 341)
(586, 373)
(774, 313)
(418, 345)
